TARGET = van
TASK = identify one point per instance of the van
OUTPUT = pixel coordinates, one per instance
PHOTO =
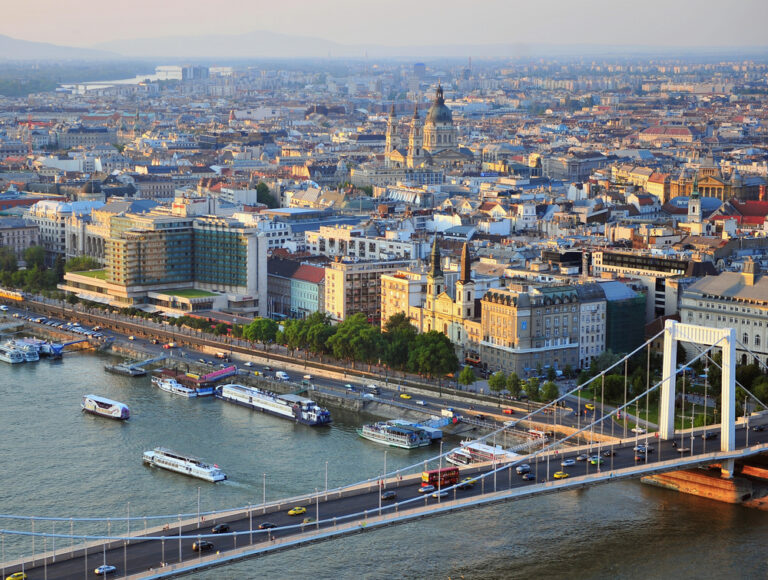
(282, 376)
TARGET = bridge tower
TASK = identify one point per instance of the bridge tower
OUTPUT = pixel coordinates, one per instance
(725, 338)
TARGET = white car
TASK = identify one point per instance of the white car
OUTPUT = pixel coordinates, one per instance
(104, 570)
(568, 462)
(638, 430)
(248, 364)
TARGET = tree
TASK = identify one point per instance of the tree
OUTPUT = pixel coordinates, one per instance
(549, 391)
(433, 354)
(264, 196)
(58, 267)
(551, 373)
(220, 329)
(398, 339)
(344, 343)
(532, 388)
(568, 372)
(34, 256)
(8, 262)
(513, 384)
(263, 330)
(80, 264)
(467, 376)
(497, 382)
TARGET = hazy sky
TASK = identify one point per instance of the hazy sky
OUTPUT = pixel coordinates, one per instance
(399, 22)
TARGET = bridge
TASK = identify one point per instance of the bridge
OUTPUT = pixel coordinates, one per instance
(160, 546)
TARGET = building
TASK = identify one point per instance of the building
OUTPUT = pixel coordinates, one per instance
(51, 218)
(352, 242)
(592, 310)
(18, 235)
(295, 290)
(737, 300)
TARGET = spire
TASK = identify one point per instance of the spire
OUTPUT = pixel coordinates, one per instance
(466, 273)
(416, 111)
(439, 94)
(695, 190)
(392, 111)
(435, 269)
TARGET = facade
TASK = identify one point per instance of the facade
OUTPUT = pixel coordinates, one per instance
(85, 137)
(355, 286)
(18, 235)
(351, 241)
(592, 309)
(51, 218)
(736, 300)
(295, 290)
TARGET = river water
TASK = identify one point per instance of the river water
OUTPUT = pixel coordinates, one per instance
(57, 461)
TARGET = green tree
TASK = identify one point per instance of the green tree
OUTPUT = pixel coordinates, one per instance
(263, 330)
(220, 329)
(58, 267)
(497, 382)
(551, 373)
(433, 355)
(344, 343)
(568, 372)
(513, 384)
(8, 262)
(34, 256)
(399, 337)
(264, 196)
(549, 391)
(467, 376)
(80, 264)
(532, 388)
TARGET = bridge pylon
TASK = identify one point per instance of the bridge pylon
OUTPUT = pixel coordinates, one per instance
(724, 338)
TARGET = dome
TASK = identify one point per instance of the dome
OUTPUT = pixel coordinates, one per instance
(438, 112)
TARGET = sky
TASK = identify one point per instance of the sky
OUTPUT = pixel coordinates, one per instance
(85, 23)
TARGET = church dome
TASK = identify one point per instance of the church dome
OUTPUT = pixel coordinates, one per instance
(439, 112)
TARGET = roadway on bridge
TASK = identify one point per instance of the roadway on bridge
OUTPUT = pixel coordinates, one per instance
(140, 555)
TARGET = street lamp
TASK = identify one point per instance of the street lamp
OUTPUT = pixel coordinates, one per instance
(385, 468)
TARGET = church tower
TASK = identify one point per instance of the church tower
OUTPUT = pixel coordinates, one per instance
(439, 132)
(435, 281)
(415, 140)
(465, 287)
(391, 136)
(694, 204)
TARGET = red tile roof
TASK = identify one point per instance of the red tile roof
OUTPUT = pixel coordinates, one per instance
(309, 274)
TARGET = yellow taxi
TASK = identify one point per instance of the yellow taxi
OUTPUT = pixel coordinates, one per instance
(297, 511)
(561, 475)
(405, 396)
(17, 576)
(589, 407)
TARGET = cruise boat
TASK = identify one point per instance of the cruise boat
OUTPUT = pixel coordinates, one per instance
(10, 355)
(288, 406)
(184, 464)
(174, 387)
(478, 452)
(30, 353)
(395, 435)
(105, 407)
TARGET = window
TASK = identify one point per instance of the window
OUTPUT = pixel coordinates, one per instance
(745, 339)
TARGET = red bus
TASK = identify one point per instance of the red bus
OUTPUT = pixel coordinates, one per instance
(445, 477)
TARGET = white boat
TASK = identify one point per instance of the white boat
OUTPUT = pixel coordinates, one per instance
(31, 354)
(478, 452)
(395, 435)
(10, 355)
(288, 406)
(184, 464)
(105, 407)
(173, 386)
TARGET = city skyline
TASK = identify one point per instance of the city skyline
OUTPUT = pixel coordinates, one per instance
(683, 24)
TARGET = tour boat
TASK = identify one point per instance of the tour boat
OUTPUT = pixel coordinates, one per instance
(478, 452)
(184, 464)
(174, 387)
(105, 407)
(395, 435)
(288, 406)
(11, 355)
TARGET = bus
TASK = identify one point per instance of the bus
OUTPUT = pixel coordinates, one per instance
(445, 477)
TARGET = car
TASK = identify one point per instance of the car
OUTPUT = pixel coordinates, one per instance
(248, 364)
(131, 337)
(709, 435)
(202, 545)
(523, 468)
(420, 402)
(758, 428)
(97, 328)
(561, 475)
(589, 407)
(441, 493)
(568, 462)
(267, 525)
(608, 452)
(638, 430)
(308, 521)
(154, 341)
(581, 457)
(220, 528)
(4, 308)
(640, 456)
(349, 387)
(388, 495)
(508, 411)
(267, 369)
(202, 360)
(427, 489)
(297, 511)
(466, 483)
(644, 449)
(17, 575)
(529, 476)
(405, 396)
(595, 460)
(104, 569)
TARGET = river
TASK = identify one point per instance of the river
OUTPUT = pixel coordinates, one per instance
(58, 461)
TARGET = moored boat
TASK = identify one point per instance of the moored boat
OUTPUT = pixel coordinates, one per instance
(105, 407)
(289, 406)
(11, 355)
(395, 435)
(478, 452)
(173, 386)
(125, 369)
(184, 464)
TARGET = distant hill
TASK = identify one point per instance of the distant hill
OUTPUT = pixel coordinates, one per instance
(14, 49)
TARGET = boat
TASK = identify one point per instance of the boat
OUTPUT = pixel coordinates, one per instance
(395, 435)
(11, 355)
(173, 386)
(478, 452)
(289, 406)
(184, 464)
(105, 407)
(125, 369)
(31, 354)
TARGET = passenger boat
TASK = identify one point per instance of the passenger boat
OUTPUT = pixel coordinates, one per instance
(105, 407)
(289, 406)
(173, 386)
(29, 348)
(10, 355)
(184, 464)
(478, 452)
(395, 435)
